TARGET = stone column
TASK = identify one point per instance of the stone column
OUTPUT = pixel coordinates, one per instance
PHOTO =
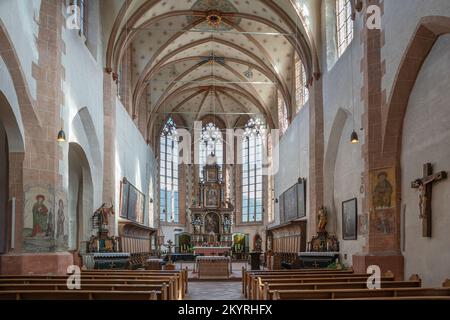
(316, 152)
(109, 147)
(35, 177)
(383, 239)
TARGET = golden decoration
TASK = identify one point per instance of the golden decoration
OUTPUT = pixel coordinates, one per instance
(214, 19)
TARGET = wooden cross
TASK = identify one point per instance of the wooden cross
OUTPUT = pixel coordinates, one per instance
(425, 186)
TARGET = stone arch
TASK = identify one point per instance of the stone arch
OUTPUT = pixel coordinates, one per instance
(80, 196)
(12, 148)
(429, 29)
(425, 136)
(12, 125)
(23, 96)
(331, 153)
(82, 132)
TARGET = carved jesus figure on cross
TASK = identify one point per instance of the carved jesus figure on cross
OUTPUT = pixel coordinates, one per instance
(424, 185)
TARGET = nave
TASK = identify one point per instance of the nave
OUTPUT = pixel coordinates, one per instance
(158, 146)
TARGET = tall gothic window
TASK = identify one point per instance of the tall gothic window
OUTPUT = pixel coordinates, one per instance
(282, 113)
(212, 143)
(168, 174)
(344, 25)
(301, 92)
(82, 13)
(252, 199)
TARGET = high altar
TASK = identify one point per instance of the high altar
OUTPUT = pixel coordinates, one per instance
(211, 215)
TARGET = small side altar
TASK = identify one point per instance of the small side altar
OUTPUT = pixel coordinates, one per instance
(103, 250)
(318, 259)
(323, 249)
(212, 251)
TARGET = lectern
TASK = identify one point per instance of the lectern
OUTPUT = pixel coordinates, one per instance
(255, 260)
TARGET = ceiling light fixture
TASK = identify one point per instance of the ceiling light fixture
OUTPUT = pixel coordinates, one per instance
(354, 139)
(61, 136)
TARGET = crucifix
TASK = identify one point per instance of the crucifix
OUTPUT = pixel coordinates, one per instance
(425, 187)
(169, 246)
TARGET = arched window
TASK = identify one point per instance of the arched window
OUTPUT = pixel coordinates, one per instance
(82, 7)
(301, 92)
(168, 173)
(252, 199)
(282, 113)
(344, 24)
(211, 144)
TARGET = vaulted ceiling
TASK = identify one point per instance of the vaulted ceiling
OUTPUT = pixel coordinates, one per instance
(198, 57)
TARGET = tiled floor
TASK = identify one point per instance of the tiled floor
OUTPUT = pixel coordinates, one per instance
(214, 290)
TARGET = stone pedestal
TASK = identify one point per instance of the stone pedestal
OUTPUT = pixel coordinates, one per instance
(35, 263)
(386, 262)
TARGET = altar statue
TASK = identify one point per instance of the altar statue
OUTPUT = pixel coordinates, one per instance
(322, 219)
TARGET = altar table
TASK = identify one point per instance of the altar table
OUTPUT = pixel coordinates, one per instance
(212, 251)
(213, 267)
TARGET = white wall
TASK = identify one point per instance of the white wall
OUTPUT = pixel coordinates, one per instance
(134, 159)
(347, 180)
(426, 136)
(83, 108)
(19, 17)
(8, 90)
(343, 164)
(399, 22)
(293, 158)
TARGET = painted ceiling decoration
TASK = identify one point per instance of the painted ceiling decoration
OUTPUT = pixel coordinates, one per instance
(214, 9)
(226, 57)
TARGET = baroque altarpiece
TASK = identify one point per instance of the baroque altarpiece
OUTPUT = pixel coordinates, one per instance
(211, 214)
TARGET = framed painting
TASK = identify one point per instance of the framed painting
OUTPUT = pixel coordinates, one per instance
(290, 203)
(281, 207)
(132, 202)
(301, 198)
(212, 196)
(124, 191)
(349, 219)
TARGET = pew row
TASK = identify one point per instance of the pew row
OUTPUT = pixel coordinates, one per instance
(78, 295)
(247, 276)
(167, 285)
(266, 288)
(362, 294)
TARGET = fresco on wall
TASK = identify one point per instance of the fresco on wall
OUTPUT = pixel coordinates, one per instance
(383, 201)
(62, 222)
(39, 219)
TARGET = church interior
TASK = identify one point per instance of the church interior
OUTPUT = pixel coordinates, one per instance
(224, 149)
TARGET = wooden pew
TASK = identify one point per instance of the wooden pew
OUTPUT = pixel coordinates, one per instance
(171, 281)
(183, 283)
(161, 290)
(247, 275)
(399, 293)
(178, 290)
(253, 282)
(356, 278)
(77, 295)
(271, 287)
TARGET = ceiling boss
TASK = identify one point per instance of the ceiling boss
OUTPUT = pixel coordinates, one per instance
(214, 19)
